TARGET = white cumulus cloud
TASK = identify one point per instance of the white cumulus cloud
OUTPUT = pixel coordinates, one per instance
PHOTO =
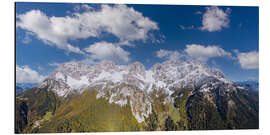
(121, 21)
(170, 55)
(24, 74)
(52, 30)
(203, 53)
(107, 51)
(248, 60)
(214, 19)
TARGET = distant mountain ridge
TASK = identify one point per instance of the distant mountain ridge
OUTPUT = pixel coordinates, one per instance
(21, 87)
(251, 83)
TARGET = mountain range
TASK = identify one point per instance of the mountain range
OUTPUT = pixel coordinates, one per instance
(173, 95)
(250, 83)
(21, 87)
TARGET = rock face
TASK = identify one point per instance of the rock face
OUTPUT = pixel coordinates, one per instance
(123, 84)
(75, 76)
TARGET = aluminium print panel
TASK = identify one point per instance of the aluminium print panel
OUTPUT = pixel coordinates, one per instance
(109, 67)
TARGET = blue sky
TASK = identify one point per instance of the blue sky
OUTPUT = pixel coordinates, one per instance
(48, 34)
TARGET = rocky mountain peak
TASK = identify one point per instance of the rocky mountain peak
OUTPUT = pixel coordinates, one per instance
(136, 68)
(105, 65)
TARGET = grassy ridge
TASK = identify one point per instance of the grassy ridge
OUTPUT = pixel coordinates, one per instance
(85, 113)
